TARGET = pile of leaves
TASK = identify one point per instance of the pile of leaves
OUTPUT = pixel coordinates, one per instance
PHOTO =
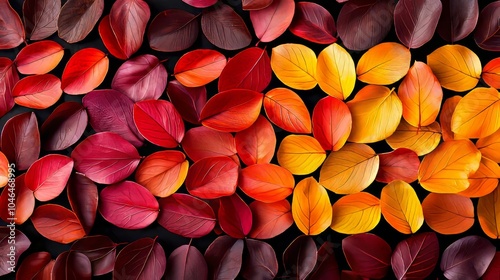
(267, 137)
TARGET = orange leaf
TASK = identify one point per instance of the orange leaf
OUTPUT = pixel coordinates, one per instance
(448, 213)
(57, 223)
(25, 202)
(401, 164)
(384, 64)
(202, 142)
(266, 182)
(448, 167)
(38, 91)
(349, 170)
(401, 207)
(484, 180)
(199, 67)
(421, 140)
(332, 123)
(447, 110)
(311, 208)
(491, 73)
(355, 213)
(286, 109)
(270, 219)
(300, 154)
(335, 72)
(295, 65)
(490, 146)
(4, 170)
(488, 213)
(85, 71)
(39, 57)
(257, 143)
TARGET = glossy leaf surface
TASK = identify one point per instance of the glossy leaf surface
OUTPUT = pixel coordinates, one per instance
(286, 109)
(448, 213)
(57, 223)
(310, 207)
(313, 23)
(355, 213)
(295, 65)
(300, 154)
(84, 71)
(400, 164)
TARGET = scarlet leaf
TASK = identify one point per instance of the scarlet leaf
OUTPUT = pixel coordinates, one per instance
(36, 266)
(40, 18)
(331, 123)
(188, 101)
(72, 265)
(261, 262)
(145, 253)
(488, 29)
(22, 244)
(300, 257)
(287, 110)
(84, 71)
(300, 154)
(186, 262)
(25, 202)
(109, 39)
(235, 217)
(12, 33)
(314, 23)
(224, 257)
(257, 143)
(270, 219)
(491, 73)
(266, 182)
(202, 142)
(249, 5)
(458, 19)
(20, 140)
(448, 213)
(200, 3)
(8, 78)
(311, 207)
(173, 30)
(83, 198)
(272, 21)
(77, 18)
(57, 223)
(400, 164)
(355, 213)
(40, 57)
(199, 67)
(368, 255)
(38, 91)
(100, 250)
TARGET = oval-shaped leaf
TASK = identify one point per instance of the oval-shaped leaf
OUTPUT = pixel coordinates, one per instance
(83, 198)
(57, 223)
(173, 30)
(186, 262)
(266, 182)
(355, 213)
(491, 73)
(270, 219)
(448, 213)
(39, 57)
(109, 39)
(272, 21)
(458, 19)
(235, 217)
(400, 164)
(38, 91)
(257, 143)
(299, 258)
(36, 266)
(77, 18)
(261, 261)
(64, 126)
(84, 71)
(72, 265)
(20, 140)
(188, 101)
(286, 109)
(40, 18)
(300, 154)
(22, 244)
(8, 78)
(202, 142)
(488, 208)
(421, 140)
(335, 72)
(311, 207)
(314, 23)
(24, 202)
(199, 67)
(368, 255)
(490, 146)
(331, 123)
(12, 33)
(145, 253)
(295, 65)
(484, 180)
(487, 31)
(100, 250)
(224, 257)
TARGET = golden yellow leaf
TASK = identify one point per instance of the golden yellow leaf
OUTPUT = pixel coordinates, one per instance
(336, 73)
(384, 64)
(489, 146)
(447, 110)
(300, 154)
(456, 67)
(448, 213)
(350, 169)
(488, 212)
(401, 207)
(311, 208)
(448, 167)
(484, 180)
(295, 65)
(355, 213)
(422, 141)
(477, 114)
(376, 112)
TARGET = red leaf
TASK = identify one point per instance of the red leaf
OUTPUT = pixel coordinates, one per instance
(40, 18)
(488, 29)
(109, 39)
(467, 258)
(286, 109)
(36, 266)
(269, 23)
(159, 122)
(327, 266)
(232, 110)
(39, 58)
(224, 257)
(331, 123)
(235, 217)
(173, 30)
(145, 253)
(257, 143)
(24, 203)
(57, 223)
(128, 205)
(493, 269)
(64, 126)
(8, 78)
(200, 3)
(458, 19)
(84, 71)
(140, 78)
(186, 215)
(224, 28)
(22, 243)
(105, 158)
(266, 182)
(72, 265)
(300, 257)
(47, 177)
(416, 257)
(100, 250)
(199, 67)
(20, 140)
(400, 164)
(38, 91)
(189, 101)
(249, 5)
(83, 198)
(249, 69)
(77, 18)
(261, 262)
(110, 110)
(12, 32)
(270, 219)
(314, 23)
(367, 254)
(202, 142)
(186, 262)
(491, 73)
(212, 177)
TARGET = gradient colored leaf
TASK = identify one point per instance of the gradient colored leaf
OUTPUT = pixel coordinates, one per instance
(266, 182)
(4, 170)
(77, 18)
(8, 78)
(314, 23)
(235, 217)
(24, 202)
(421, 140)
(189, 101)
(490, 146)
(355, 213)
(445, 117)
(335, 72)
(488, 208)
(257, 143)
(300, 154)
(487, 31)
(199, 67)
(349, 170)
(448, 213)
(300, 257)
(458, 19)
(368, 255)
(38, 91)
(64, 126)
(286, 109)
(40, 18)
(20, 140)
(270, 219)
(295, 65)
(400, 164)
(57, 223)
(100, 250)
(331, 123)
(22, 243)
(203, 142)
(83, 198)
(71, 265)
(261, 261)
(39, 57)
(448, 167)
(186, 262)
(456, 67)
(36, 266)
(84, 71)
(311, 207)
(145, 253)
(491, 73)
(173, 30)
(108, 38)
(12, 33)
(224, 257)
(272, 21)
(484, 180)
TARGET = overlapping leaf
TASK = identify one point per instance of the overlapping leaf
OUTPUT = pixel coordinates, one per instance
(335, 72)
(314, 23)
(311, 207)
(287, 110)
(300, 154)
(355, 213)
(295, 65)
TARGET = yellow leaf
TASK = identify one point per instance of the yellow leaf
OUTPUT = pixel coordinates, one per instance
(484, 180)
(422, 141)
(401, 207)
(311, 208)
(477, 114)
(350, 169)
(295, 65)
(489, 146)
(356, 213)
(447, 110)
(384, 64)
(488, 212)
(448, 167)
(421, 95)
(456, 67)
(336, 73)
(300, 154)
(376, 112)
(448, 213)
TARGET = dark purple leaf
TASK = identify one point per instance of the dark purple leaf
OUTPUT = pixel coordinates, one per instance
(327, 267)
(100, 250)
(314, 23)
(10, 253)
(77, 18)
(367, 254)
(72, 265)
(300, 257)
(40, 18)
(8, 79)
(260, 261)
(141, 259)
(83, 198)
(188, 101)
(173, 30)
(186, 263)
(235, 217)
(487, 34)
(64, 126)
(458, 19)
(20, 140)
(224, 257)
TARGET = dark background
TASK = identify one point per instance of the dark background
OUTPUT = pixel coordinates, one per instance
(171, 241)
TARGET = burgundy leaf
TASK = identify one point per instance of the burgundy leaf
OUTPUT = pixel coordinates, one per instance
(83, 198)
(270, 219)
(202, 142)
(327, 267)
(12, 31)
(36, 266)
(8, 79)
(40, 18)
(189, 101)
(77, 18)
(145, 254)
(300, 257)
(235, 217)
(224, 257)
(100, 250)
(493, 269)
(173, 30)
(72, 265)
(400, 164)
(249, 5)
(260, 262)
(467, 258)
(47, 177)
(272, 21)
(367, 254)
(487, 34)
(22, 243)
(458, 19)
(20, 140)
(186, 263)
(349, 275)
(314, 23)
(140, 78)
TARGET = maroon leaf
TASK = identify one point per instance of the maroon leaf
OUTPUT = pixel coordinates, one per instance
(77, 18)
(224, 257)
(363, 24)
(272, 21)
(202, 142)
(173, 30)
(57, 223)
(100, 250)
(367, 254)
(249, 5)
(300, 257)
(71, 265)
(349, 275)
(36, 266)
(188, 101)
(9, 254)
(24, 203)
(260, 262)
(224, 28)
(105, 158)
(40, 18)
(458, 19)
(270, 219)
(64, 126)
(128, 205)
(110, 110)
(20, 140)
(145, 254)
(400, 164)
(140, 78)
(467, 258)
(12, 31)
(416, 257)
(416, 21)
(257, 143)
(493, 269)
(235, 217)
(487, 34)
(327, 267)
(8, 79)
(83, 198)
(314, 23)
(185, 263)
(186, 215)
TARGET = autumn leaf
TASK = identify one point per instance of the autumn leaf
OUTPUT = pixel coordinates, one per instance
(356, 213)
(300, 154)
(335, 72)
(311, 207)
(295, 65)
